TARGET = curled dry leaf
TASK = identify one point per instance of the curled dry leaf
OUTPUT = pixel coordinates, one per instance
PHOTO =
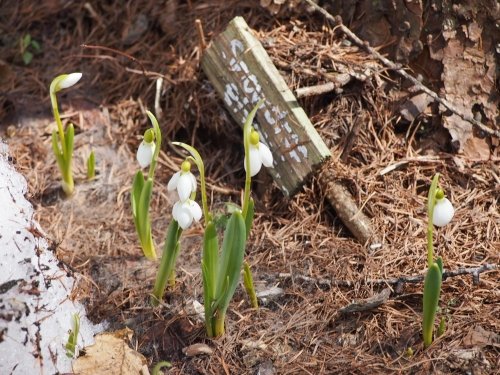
(111, 354)
(197, 349)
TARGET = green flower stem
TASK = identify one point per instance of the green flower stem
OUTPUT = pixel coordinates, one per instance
(247, 129)
(55, 109)
(201, 168)
(168, 260)
(157, 130)
(431, 202)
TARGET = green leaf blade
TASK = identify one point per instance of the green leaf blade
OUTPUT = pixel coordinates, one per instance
(230, 261)
(432, 290)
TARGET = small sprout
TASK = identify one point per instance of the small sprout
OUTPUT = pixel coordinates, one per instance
(409, 352)
(159, 366)
(29, 47)
(249, 287)
(63, 140)
(91, 166)
(442, 327)
(71, 345)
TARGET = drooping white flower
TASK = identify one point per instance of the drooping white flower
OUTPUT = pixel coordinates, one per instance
(185, 212)
(184, 181)
(259, 154)
(70, 80)
(146, 149)
(443, 212)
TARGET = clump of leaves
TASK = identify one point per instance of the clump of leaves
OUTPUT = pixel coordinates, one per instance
(29, 48)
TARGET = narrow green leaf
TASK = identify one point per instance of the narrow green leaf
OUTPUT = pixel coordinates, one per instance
(208, 302)
(137, 186)
(439, 262)
(73, 336)
(91, 166)
(26, 41)
(70, 137)
(249, 217)
(432, 290)
(210, 258)
(230, 261)
(442, 327)
(144, 200)
(249, 287)
(27, 57)
(168, 259)
(36, 46)
(143, 221)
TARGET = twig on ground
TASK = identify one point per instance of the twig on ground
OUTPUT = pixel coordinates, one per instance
(336, 85)
(201, 35)
(390, 64)
(397, 281)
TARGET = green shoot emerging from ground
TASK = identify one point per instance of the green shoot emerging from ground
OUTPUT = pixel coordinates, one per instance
(62, 140)
(440, 212)
(142, 187)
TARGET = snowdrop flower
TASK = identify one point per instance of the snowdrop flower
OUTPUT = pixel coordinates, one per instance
(259, 154)
(184, 181)
(69, 80)
(185, 212)
(443, 210)
(146, 149)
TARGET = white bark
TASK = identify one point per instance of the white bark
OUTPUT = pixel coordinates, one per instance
(35, 307)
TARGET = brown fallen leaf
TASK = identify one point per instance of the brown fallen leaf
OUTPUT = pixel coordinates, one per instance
(109, 355)
(480, 337)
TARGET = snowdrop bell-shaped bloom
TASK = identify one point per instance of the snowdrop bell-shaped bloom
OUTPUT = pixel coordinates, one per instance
(443, 210)
(70, 80)
(184, 181)
(259, 154)
(146, 149)
(185, 212)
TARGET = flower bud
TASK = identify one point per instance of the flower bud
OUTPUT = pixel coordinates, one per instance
(443, 212)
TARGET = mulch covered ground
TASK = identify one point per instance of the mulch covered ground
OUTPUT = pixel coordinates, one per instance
(297, 245)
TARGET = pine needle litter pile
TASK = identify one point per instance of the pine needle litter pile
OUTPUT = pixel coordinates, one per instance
(329, 305)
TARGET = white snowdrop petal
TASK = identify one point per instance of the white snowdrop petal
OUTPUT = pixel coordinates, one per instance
(176, 210)
(184, 219)
(443, 212)
(195, 210)
(255, 161)
(145, 153)
(70, 80)
(193, 182)
(184, 186)
(265, 155)
(174, 180)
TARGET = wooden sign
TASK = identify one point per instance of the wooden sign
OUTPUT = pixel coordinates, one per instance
(242, 73)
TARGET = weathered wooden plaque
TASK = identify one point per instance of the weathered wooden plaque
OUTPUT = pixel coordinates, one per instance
(242, 73)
